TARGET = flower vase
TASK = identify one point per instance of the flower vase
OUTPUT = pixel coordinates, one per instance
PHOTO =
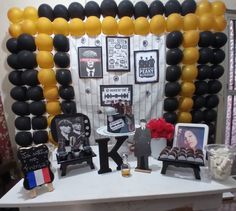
(157, 145)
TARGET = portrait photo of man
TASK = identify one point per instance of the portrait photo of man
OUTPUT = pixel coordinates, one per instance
(90, 62)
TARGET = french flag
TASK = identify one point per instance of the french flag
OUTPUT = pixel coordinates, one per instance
(38, 177)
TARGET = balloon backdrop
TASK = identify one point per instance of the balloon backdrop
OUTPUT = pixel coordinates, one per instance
(24, 139)
(156, 8)
(174, 39)
(76, 27)
(40, 137)
(172, 89)
(60, 11)
(15, 15)
(20, 108)
(141, 26)
(170, 117)
(12, 45)
(44, 25)
(45, 10)
(173, 73)
(92, 9)
(109, 8)
(141, 9)
(126, 26)
(61, 43)
(23, 123)
(19, 93)
(190, 22)
(125, 8)
(109, 26)
(35, 93)
(198, 102)
(172, 6)
(190, 38)
(93, 26)
(15, 30)
(63, 76)
(37, 108)
(44, 42)
(206, 39)
(174, 56)
(53, 107)
(174, 22)
(30, 13)
(157, 25)
(26, 42)
(184, 117)
(188, 6)
(15, 78)
(45, 59)
(189, 73)
(62, 59)
(30, 77)
(68, 107)
(60, 26)
(171, 104)
(47, 77)
(76, 10)
(39, 123)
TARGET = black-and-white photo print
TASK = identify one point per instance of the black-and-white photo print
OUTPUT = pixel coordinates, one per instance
(90, 62)
(118, 53)
(146, 65)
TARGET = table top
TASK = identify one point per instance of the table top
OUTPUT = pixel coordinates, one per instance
(82, 185)
(103, 131)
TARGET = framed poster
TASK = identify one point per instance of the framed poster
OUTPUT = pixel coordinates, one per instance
(192, 136)
(118, 53)
(90, 62)
(111, 94)
(146, 65)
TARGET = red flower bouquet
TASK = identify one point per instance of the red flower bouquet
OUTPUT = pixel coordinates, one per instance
(160, 128)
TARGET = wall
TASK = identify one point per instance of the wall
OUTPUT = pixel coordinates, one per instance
(5, 85)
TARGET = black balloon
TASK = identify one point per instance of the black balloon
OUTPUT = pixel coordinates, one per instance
(172, 6)
(37, 108)
(171, 104)
(210, 115)
(206, 39)
(39, 123)
(141, 9)
(62, 59)
(173, 73)
(214, 86)
(20, 108)
(19, 93)
(125, 8)
(156, 8)
(109, 8)
(197, 116)
(188, 6)
(63, 76)
(174, 39)
(68, 107)
(66, 92)
(35, 93)
(216, 71)
(15, 78)
(170, 117)
(30, 77)
(201, 87)
(172, 89)
(211, 140)
(60, 11)
(27, 59)
(12, 45)
(212, 101)
(205, 55)
(26, 42)
(45, 10)
(12, 61)
(40, 137)
(61, 43)
(76, 10)
(174, 56)
(204, 72)
(212, 128)
(22, 123)
(218, 56)
(220, 39)
(92, 9)
(24, 139)
(198, 102)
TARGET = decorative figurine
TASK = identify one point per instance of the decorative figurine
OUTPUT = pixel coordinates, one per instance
(142, 147)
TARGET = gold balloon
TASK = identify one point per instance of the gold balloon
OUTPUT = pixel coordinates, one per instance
(15, 30)
(47, 77)
(218, 8)
(76, 27)
(53, 107)
(174, 22)
(203, 7)
(158, 25)
(189, 73)
(45, 59)
(220, 23)
(141, 26)
(49, 120)
(190, 55)
(29, 27)
(126, 26)
(184, 117)
(190, 22)
(187, 89)
(51, 140)
(93, 26)
(60, 26)
(44, 42)
(50, 93)
(206, 22)
(44, 25)
(190, 38)
(109, 26)
(15, 15)
(185, 103)
(30, 13)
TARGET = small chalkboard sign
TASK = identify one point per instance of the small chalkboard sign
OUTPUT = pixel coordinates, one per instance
(35, 166)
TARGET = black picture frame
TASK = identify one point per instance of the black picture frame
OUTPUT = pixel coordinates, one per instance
(115, 93)
(146, 70)
(90, 56)
(118, 54)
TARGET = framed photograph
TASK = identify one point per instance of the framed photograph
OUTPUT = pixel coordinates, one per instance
(111, 94)
(118, 53)
(146, 66)
(193, 136)
(90, 62)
